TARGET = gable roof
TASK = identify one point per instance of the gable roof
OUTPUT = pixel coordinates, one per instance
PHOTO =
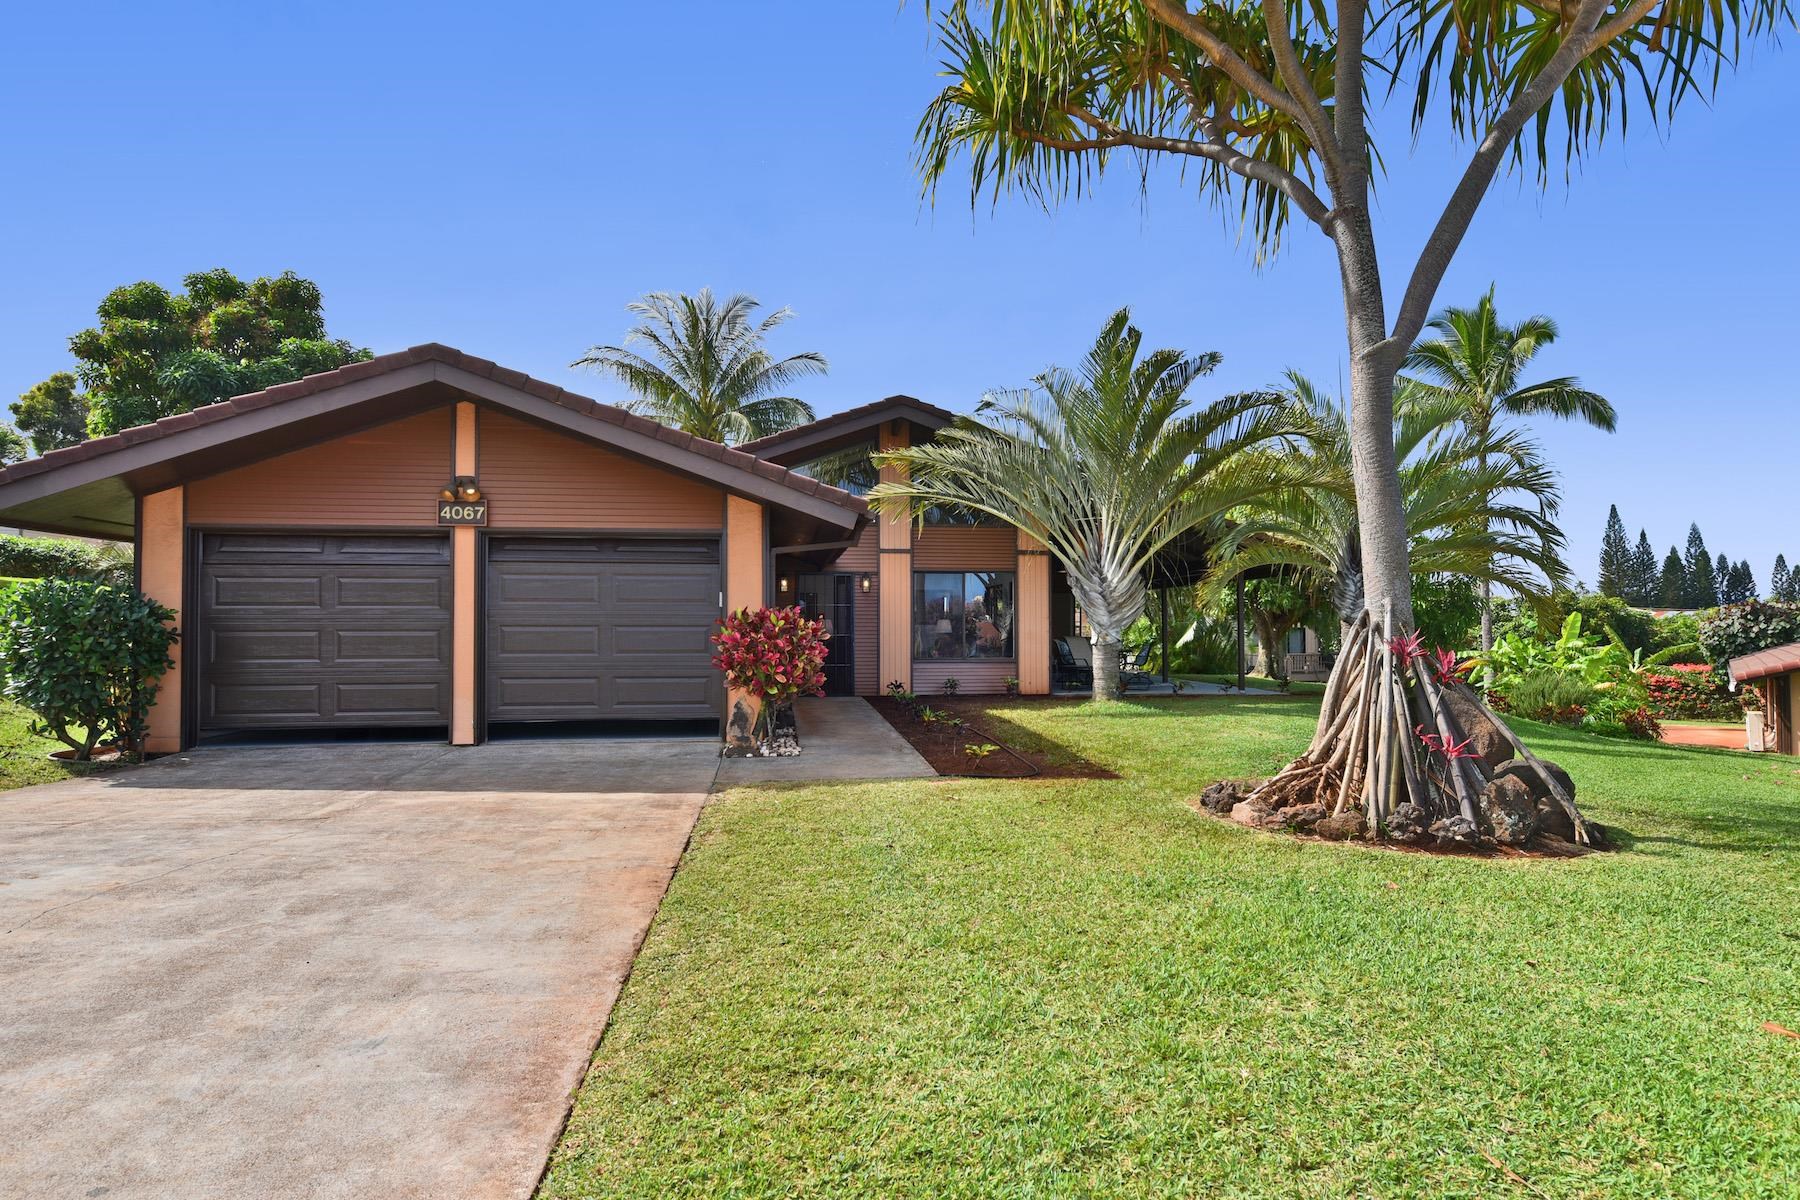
(840, 426)
(90, 488)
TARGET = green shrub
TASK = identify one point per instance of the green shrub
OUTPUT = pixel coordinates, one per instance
(52, 558)
(1679, 652)
(85, 658)
(1740, 629)
(1677, 629)
(1548, 694)
(1631, 627)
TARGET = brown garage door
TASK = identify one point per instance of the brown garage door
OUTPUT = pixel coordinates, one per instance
(322, 632)
(602, 629)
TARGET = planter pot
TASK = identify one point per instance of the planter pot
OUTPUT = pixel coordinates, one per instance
(105, 754)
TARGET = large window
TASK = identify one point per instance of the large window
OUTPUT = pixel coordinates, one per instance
(962, 614)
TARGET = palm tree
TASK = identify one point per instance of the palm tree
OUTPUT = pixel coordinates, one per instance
(1476, 363)
(1482, 508)
(1103, 466)
(706, 371)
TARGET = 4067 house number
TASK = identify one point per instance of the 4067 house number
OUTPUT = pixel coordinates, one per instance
(462, 512)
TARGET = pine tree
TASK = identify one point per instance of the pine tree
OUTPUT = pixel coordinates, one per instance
(1615, 557)
(1780, 580)
(1672, 586)
(1645, 580)
(1702, 575)
(1737, 584)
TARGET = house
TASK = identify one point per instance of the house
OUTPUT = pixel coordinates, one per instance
(1772, 671)
(427, 541)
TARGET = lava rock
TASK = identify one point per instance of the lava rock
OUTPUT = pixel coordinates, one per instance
(1455, 831)
(1552, 817)
(1487, 740)
(1509, 810)
(1256, 814)
(1221, 797)
(1303, 817)
(1408, 823)
(1341, 828)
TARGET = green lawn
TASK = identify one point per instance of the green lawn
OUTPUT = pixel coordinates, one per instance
(24, 759)
(954, 988)
(1259, 681)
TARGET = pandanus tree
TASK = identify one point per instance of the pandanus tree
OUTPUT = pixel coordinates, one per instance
(704, 368)
(1105, 465)
(1269, 107)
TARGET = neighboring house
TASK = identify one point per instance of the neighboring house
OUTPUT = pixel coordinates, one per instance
(1772, 671)
(427, 541)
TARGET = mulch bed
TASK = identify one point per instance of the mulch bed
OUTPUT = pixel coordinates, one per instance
(945, 746)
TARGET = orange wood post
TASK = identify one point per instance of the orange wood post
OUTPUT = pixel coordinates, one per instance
(464, 587)
(1031, 641)
(746, 556)
(162, 566)
(896, 582)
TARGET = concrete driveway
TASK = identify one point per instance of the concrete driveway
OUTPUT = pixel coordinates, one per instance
(351, 971)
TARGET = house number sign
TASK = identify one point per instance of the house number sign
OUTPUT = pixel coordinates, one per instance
(462, 512)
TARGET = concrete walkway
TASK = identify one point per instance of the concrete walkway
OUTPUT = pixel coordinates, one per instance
(841, 737)
(349, 971)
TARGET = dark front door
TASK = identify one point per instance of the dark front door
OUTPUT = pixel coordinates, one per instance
(602, 629)
(322, 632)
(832, 597)
(1784, 715)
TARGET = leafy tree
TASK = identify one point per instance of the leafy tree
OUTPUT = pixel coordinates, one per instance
(1476, 363)
(1644, 574)
(53, 414)
(1700, 571)
(706, 370)
(1672, 587)
(1104, 466)
(156, 353)
(1746, 628)
(1617, 563)
(12, 445)
(1780, 579)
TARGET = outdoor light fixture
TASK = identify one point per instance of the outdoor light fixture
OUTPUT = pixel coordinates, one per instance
(866, 582)
(463, 487)
(781, 584)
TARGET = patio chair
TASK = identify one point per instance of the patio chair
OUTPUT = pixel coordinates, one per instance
(1133, 670)
(1065, 670)
(1083, 650)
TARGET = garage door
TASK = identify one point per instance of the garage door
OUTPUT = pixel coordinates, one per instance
(599, 629)
(323, 632)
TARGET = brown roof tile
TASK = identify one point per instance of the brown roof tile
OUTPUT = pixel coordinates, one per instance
(1777, 660)
(427, 352)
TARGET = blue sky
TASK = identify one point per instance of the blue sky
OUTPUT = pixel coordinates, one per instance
(504, 178)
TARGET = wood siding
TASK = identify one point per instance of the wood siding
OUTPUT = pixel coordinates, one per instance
(386, 476)
(974, 677)
(464, 589)
(535, 478)
(965, 547)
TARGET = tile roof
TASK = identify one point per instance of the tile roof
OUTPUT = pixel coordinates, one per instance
(436, 352)
(1776, 660)
(849, 416)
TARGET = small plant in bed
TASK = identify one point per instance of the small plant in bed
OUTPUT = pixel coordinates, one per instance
(951, 686)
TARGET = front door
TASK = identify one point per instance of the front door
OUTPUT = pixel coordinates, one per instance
(1784, 720)
(831, 598)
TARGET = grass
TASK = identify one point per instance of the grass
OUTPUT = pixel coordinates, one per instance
(24, 757)
(958, 988)
(1297, 688)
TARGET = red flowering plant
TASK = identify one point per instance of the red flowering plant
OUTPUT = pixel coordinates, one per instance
(775, 654)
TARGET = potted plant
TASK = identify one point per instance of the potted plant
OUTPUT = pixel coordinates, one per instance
(775, 655)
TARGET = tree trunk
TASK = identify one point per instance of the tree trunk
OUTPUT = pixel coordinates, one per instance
(1381, 515)
(1106, 667)
(1271, 633)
